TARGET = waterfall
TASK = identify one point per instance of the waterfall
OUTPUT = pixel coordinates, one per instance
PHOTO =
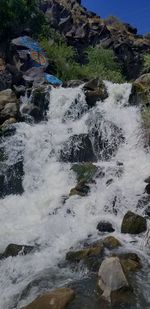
(40, 217)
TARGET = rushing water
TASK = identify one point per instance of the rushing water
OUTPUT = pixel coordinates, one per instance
(39, 215)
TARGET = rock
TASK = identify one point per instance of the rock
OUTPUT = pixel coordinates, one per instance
(147, 188)
(57, 299)
(111, 242)
(8, 122)
(130, 262)
(81, 189)
(72, 83)
(77, 256)
(9, 107)
(111, 277)
(95, 90)
(11, 179)
(5, 80)
(19, 90)
(147, 211)
(14, 250)
(82, 153)
(91, 256)
(104, 226)
(133, 223)
(140, 93)
(38, 103)
(147, 180)
(101, 143)
(85, 172)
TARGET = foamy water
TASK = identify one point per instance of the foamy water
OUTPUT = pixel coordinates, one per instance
(39, 215)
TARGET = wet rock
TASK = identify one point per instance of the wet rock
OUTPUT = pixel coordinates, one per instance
(14, 250)
(72, 83)
(11, 179)
(19, 90)
(111, 242)
(104, 226)
(95, 90)
(38, 103)
(78, 149)
(81, 189)
(111, 278)
(147, 188)
(9, 107)
(147, 211)
(109, 181)
(140, 93)
(85, 172)
(8, 122)
(133, 223)
(147, 180)
(130, 261)
(5, 80)
(57, 299)
(91, 256)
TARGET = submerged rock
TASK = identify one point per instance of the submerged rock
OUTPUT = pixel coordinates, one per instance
(11, 179)
(81, 189)
(111, 277)
(85, 172)
(104, 226)
(57, 299)
(14, 250)
(111, 242)
(133, 223)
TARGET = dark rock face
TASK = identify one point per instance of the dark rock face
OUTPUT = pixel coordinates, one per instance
(11, 180)
(104, 226)
(82, 28)
(133, 223)
(78, 149)
(14, 250)
(95, 145)
(38, 104)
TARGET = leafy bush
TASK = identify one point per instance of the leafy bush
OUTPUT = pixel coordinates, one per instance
(15, 15)
(100, 62)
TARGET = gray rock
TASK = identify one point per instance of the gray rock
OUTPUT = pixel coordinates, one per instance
(14, 250)
(133, 223)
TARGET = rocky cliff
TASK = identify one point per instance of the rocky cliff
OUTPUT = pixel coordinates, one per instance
(82, 28)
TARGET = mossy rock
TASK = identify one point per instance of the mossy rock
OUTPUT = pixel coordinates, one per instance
(81, 189)
(84, 172)
(130, 262)
(111, 242)
(133, 223)
(140, 93)
(77, 256)
(95, 90)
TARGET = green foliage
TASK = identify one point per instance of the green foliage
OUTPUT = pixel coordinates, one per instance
(17, 14)
(147, 61)
(100, 62)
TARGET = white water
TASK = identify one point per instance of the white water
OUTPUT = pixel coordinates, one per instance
(39, 215)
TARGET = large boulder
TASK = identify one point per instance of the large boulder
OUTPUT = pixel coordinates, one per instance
(57, 299)
(133, 223)
(140, 93)
(95, 90)
(111, 278)
(9, 107)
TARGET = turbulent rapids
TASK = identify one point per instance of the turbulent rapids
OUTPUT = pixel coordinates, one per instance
(44, 217)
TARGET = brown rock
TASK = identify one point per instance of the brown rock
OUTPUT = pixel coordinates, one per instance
(57, 299)
(111, 242)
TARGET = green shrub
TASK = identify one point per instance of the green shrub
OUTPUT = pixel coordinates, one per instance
(147, 61)
(100, 62)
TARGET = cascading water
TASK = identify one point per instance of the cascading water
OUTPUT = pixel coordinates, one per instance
(39, 217)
